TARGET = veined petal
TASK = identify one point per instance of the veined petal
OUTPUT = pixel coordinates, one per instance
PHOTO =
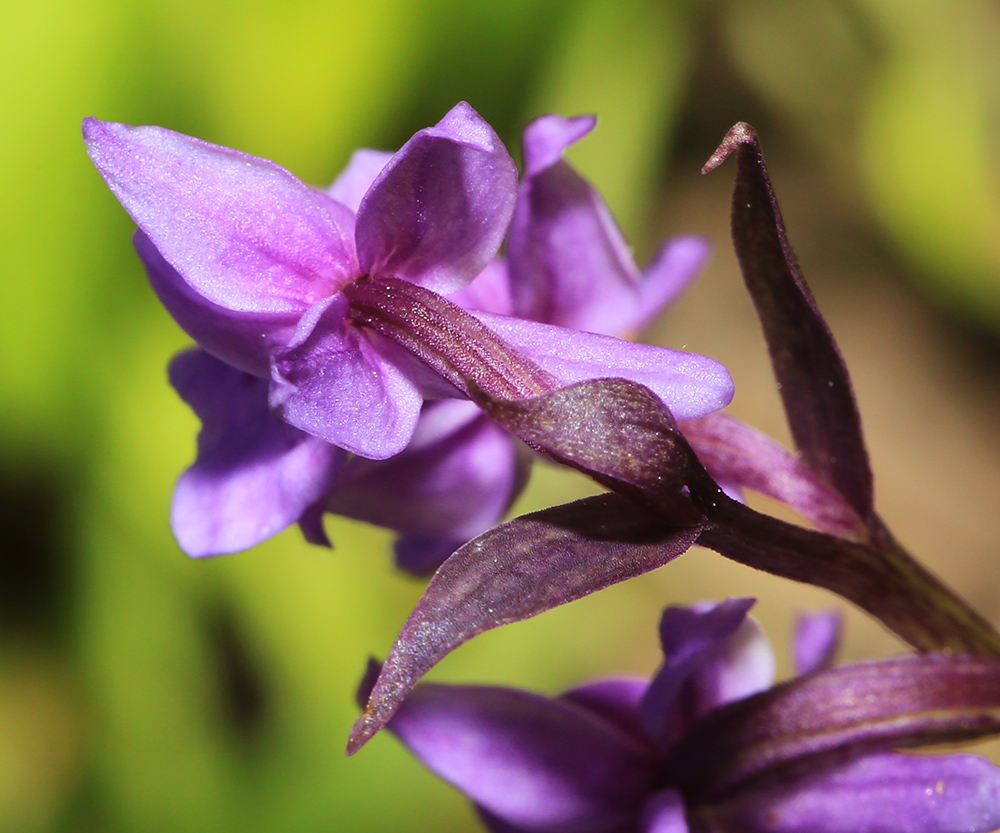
(354, 181)
(688, 384)
(876, 794)
(439, 210)
(244, 340)
(242, 231)
(569, 263)
(343, 387)
(254, 474)
(534, 762)
(455, 479)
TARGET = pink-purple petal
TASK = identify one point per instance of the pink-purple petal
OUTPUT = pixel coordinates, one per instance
(817, 637)
(692, 638)
(244, 340)
(534, 762)
(547, 137)
(437, 213)
(568, 261)
(616, 699)
(675, 266)
(877, 794)
(344, 386)
(488, 292)
(254, 475)
(242, 231)
(743, 665)
(455, 479)
(688, 384)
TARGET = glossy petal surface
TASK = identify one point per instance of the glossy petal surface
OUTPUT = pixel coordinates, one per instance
(244, 340)
(817, 637)
(439, 210)
(691, 638)
(688, 384)
(363, 168)
(344, 388)
(242, 231)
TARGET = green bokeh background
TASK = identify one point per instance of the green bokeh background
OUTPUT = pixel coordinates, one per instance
(141, 691)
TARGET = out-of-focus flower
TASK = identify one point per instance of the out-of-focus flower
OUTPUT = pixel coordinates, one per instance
(314, 293)
(626, 756)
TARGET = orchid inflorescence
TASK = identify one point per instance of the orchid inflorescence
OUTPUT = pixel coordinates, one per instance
(365, 350)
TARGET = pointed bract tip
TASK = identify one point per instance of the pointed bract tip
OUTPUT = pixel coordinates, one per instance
(740, 133)
(362, 731)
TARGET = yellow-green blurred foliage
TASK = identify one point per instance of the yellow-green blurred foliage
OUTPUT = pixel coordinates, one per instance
(142, 691)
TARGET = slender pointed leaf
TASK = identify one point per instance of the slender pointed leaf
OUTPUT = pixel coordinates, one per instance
(815, 386)
(513, 572)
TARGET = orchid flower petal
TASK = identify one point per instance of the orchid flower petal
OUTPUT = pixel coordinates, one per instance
(569, 263)
(675, 266)
(439, 210)
(691, 638)
(421, 555)
(836, 714)
(363, 168)
(242, 231)
(455, 479)
(534, 762)
(489, 291)
(817, 637)
(688, 384)
(244, 340)
(616, 700)
(546, 139)
(254, 475)
(343, 387)
(743, 665)
(875, 794)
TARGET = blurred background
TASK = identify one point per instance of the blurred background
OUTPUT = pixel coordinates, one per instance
(143, 691)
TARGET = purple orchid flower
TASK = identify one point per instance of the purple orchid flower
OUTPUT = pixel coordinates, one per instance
(258, 269)
(627, 756)
(568, 265)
